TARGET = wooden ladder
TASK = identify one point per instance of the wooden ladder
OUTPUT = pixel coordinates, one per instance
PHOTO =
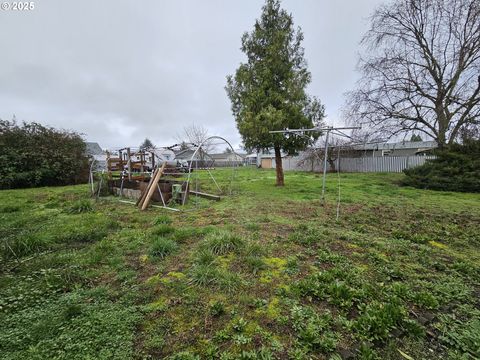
(146, 196)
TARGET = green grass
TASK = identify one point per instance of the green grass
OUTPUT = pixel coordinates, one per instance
(162, 247)
(220, 242)
(264, 273)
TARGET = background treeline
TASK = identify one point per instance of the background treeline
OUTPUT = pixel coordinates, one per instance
(35, 155)
(456, 168)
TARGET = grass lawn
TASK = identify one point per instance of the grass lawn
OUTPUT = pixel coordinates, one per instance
(266, 273)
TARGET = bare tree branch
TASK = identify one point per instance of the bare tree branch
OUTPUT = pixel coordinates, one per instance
(422, 69)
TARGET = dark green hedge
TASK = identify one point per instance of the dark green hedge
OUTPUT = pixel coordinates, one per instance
(34, 155)
(456, 168)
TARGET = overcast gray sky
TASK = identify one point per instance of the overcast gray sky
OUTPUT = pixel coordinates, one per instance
(120, 71)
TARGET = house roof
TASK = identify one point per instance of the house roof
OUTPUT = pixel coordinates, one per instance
(183, 153)
(271, 156)
(225, 155)
(425, 145)
(92, 148)
(218, 156)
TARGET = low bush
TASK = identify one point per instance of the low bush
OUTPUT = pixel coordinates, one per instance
(35, 155)
(454, 169)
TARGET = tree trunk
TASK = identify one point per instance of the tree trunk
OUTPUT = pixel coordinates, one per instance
(278, 166)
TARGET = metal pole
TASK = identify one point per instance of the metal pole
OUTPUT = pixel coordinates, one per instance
(325, 168)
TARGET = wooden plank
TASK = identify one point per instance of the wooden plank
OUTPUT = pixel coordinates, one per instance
(129, 164)
(205, 195)
(153, 187)
(140, 200)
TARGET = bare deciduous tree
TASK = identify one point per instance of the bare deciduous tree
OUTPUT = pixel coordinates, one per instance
(313, 157)
(196, 135)
(422, 73)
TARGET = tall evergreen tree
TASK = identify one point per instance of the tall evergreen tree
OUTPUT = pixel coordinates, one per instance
(146, 144)
(268, 91)
(416, 138)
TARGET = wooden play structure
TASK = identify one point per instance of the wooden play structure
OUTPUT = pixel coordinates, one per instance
(145, 178)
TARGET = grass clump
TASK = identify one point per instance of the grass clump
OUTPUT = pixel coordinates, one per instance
(162, 247)
(163, 230)
(203, 275)
(221, 242)
(306, 235)
(205, 257)
(251, 226)
(80, 206)
(255, 264)
(210, 275)
(8, 209)
(162, 219)
(185, 233)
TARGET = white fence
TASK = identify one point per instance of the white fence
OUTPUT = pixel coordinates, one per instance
(361, 164)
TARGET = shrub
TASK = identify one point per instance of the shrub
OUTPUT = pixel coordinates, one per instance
(455, 169)
(162, 247)
(35, 155)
